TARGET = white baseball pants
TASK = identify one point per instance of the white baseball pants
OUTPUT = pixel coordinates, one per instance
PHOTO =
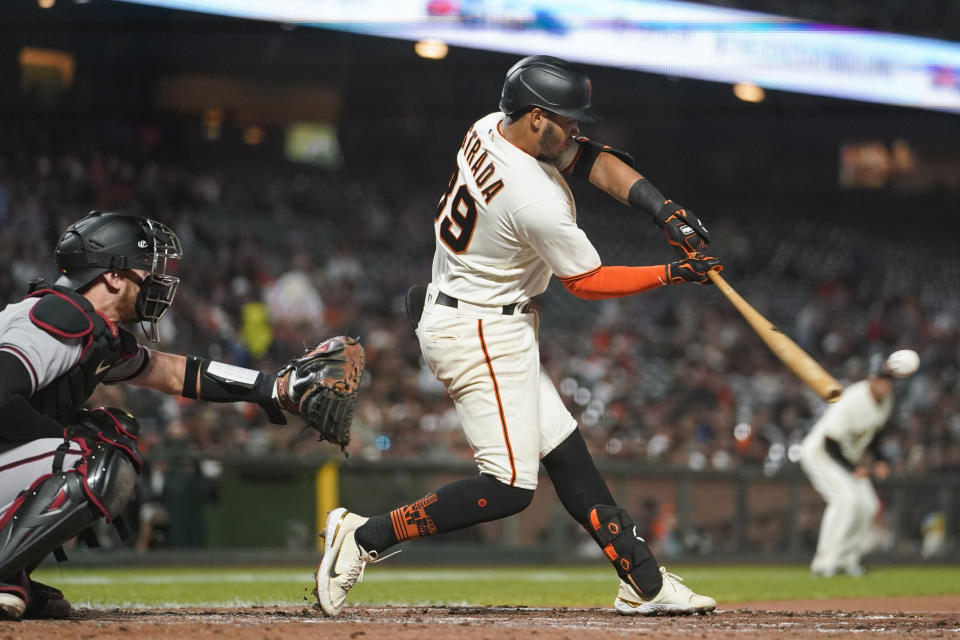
(510, 410)
(852, 504)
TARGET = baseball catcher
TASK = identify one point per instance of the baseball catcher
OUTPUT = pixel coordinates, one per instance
(63, 466)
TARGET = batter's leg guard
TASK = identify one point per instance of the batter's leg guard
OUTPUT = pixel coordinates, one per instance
(61, 505)
(616, 534)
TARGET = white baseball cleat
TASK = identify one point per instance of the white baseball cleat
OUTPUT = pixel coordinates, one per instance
(11, 606)
(343, 560)
(674, 598)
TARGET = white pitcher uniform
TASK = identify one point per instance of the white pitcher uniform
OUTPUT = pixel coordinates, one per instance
(506, 224)
(853, 422)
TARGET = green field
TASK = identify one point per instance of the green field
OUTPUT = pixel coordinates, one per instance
(528, 586)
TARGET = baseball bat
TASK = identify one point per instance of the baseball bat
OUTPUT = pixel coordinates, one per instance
(799, 361)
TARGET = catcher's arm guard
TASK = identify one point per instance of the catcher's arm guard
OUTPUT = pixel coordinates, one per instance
(322, 385)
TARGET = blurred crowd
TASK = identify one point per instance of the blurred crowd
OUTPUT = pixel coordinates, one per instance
(279, 256)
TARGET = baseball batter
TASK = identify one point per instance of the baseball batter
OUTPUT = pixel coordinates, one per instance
(830, 456)
(505, 224)
(61, 465)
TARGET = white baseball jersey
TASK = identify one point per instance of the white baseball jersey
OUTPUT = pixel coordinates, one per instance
(853, 421)
(506, 223)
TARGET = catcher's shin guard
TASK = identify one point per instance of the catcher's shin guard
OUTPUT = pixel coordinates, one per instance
(616, 534)
(45, 516)
(61, 505)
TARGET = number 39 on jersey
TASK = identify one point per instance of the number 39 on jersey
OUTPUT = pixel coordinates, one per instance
(456, 227)
(457, 209)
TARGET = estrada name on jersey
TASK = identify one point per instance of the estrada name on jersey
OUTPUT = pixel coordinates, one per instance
(506, 223)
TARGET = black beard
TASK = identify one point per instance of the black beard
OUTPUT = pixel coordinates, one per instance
(549, 139)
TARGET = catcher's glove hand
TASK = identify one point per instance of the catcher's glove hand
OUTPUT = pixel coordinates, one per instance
(321, 386)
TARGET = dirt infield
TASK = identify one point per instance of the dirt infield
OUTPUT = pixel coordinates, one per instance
(927, 617)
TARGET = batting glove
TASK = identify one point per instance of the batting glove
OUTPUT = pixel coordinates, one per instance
(693, 269)
(685, 233)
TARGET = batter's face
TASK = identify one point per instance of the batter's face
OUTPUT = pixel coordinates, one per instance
(556, 135)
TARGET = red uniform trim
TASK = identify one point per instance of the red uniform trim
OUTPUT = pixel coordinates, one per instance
(117, 425)
(54, 330)
(41, 456)
(496, 391)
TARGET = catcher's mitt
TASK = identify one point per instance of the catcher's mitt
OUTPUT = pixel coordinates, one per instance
(321, 386)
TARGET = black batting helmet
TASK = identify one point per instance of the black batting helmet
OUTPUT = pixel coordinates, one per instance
(103, 241)
(549, 83)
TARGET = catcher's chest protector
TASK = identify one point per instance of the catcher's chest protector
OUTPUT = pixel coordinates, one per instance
(66, 314)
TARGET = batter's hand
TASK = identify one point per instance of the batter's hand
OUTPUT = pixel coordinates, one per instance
(693, 269)
(685, 233)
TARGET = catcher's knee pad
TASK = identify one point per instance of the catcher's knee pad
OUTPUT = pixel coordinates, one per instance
(616, 534)
(110, 479)
(111, 460)
(108, 427)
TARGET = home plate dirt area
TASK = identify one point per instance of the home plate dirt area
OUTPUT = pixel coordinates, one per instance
(922, 617)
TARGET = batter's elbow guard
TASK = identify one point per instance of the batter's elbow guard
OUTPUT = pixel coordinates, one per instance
(588, 154)
(616, 534)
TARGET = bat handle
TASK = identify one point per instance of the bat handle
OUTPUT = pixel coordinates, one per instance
(718, 280)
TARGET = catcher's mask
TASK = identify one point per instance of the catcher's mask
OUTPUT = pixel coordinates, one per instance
(549, 83)
(103, 241)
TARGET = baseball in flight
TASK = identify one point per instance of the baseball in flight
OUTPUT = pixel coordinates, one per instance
(903, 363)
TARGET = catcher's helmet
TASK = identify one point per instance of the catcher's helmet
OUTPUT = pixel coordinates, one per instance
(103, 241)
(549, 83)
